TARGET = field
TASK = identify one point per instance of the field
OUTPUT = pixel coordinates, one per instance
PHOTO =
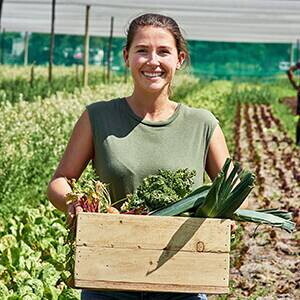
(35, 125)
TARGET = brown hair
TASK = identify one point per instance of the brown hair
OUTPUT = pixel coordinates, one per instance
(161, 21)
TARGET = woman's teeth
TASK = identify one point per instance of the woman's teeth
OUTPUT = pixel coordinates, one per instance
(152, 74)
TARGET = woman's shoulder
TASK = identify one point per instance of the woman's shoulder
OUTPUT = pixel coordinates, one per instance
(103, 104)
(199, 113)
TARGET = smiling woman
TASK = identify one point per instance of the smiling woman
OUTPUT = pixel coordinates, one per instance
(153, 59)
(132, 137)
(155, 49)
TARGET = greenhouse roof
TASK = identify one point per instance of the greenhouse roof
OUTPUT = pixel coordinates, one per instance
(274, 21)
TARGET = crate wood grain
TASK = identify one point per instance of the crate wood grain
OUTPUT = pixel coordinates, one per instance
(152, 253)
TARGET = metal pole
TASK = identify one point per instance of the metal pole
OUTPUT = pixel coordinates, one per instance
(86, 47)
(51, 50)
(109, 47)
(26, 42)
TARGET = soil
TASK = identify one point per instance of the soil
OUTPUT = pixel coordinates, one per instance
(265, 263)
(291, 102)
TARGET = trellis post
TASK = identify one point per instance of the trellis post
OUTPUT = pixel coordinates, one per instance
(109, 48)
(51, 50)
(86, 47)
(26, 43)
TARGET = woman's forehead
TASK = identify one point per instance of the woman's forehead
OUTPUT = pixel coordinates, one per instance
(147, 34)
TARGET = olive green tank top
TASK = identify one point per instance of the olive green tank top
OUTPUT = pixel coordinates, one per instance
(128, 148)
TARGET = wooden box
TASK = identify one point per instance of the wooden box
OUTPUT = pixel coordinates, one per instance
(151, 253)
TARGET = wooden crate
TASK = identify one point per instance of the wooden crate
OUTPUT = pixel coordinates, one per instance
(151, 253)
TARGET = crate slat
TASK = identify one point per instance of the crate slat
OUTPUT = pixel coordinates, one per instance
(153, 232)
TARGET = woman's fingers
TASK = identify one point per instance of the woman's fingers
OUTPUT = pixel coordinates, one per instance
(234, 227)
(78, 209)
(73, 209)
(70, 213)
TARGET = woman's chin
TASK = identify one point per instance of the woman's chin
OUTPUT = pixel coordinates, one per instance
(155, 87)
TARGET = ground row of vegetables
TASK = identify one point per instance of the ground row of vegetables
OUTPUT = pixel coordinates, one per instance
(31, 83)
(34, 254)
(265, 261)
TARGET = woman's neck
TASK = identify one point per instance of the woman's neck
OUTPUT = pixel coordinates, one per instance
(152, 107)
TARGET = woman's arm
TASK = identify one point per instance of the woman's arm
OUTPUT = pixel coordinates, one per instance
(217, 155)
(290, 74)
(77, 155)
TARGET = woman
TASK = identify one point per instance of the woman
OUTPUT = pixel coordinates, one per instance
(132, 137)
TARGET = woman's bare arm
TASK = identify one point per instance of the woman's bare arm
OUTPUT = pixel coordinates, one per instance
(77, 155)
(217, 153)
(290, 74)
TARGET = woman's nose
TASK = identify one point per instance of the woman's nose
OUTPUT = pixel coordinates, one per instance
(153, 59)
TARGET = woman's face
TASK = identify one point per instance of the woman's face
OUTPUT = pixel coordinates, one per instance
(153, 58)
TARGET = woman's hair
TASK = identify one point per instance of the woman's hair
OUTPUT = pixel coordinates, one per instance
(160, 21)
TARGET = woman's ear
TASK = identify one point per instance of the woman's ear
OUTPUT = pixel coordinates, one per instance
(125, 56)
(181, 58)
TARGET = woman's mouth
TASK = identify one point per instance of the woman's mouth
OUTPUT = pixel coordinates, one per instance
(153, 74)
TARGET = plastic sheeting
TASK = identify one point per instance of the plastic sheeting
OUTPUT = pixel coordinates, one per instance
(274, 21)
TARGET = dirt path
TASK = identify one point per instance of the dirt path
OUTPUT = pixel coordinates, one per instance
(266, 263)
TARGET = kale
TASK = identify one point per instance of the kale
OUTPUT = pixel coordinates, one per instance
(159, 190)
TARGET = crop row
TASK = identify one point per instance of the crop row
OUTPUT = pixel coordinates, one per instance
(29, 84)
(262, 145)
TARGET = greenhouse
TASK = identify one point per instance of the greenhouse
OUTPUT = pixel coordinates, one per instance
(94, 131)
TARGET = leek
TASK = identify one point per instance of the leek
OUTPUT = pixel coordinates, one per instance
(223, 198)
(268, 217)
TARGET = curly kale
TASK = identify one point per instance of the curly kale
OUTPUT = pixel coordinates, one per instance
(159, 190)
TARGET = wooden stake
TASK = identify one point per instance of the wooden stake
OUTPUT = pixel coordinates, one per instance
(298, 51)
(32, 75)
(109, 48)
(125, 74)
(77, 74)
(1, 2)
(51, 50)
(26, 43)
(2, 49)
(2, 46)
(86, 47)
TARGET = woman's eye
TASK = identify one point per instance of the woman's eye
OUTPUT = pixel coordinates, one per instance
(141, 50)
(163, 52)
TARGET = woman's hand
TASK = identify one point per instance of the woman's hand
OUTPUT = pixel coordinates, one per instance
(78, 153)
(73, 208)
(234, 227)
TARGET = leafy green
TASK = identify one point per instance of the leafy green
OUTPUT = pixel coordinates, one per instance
(159, 190)
(4, 292)
(68, 294)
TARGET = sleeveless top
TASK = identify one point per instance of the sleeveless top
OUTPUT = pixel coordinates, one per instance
(128, 148)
